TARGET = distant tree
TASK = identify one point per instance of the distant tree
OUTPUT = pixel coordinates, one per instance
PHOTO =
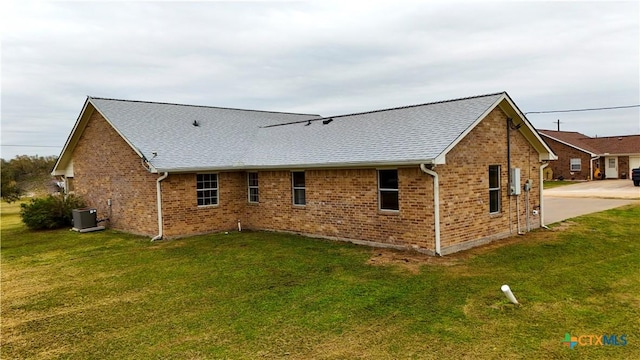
(21, 171)
(10, 190)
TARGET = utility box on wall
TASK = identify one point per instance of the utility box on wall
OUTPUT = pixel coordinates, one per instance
(84, 219)
(514, 187)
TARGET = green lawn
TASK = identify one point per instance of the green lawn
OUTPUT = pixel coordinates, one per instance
(550, 184)
(265, 295)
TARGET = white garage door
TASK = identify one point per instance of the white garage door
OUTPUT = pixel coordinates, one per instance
(634, 162)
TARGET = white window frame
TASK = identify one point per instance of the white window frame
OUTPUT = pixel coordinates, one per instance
(494, 190)
(575, 164)
(255, 187)
(214, 198)
(382, 190)
(296, 201)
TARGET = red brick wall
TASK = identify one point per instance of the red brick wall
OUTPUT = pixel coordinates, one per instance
(344, 204)
(181, 214)
(562, 166)
(464, 184)
(105, 167)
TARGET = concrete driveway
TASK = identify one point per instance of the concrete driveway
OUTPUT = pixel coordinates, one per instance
(606, 189)
(569, 201)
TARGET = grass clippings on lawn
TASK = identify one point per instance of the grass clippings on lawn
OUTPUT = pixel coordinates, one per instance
(268, 295)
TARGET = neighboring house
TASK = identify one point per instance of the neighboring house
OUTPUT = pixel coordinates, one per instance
(431, 177)
(581, 157)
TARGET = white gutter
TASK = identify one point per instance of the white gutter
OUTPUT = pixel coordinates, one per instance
(436, 205)
(542, 167)
(327, 166)
(159, 199)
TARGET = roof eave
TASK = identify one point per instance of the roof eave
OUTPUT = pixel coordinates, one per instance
(529, 132)
(137, 151)
(569, 144)
(336, 165)
(619, 154)
(69, 145)
(74, 136)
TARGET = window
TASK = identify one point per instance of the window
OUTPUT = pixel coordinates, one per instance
(494, 189)
(207, 189)
(252, 183)
(69, 185)
(576, 164)
(297, 181)
(612, 163)
(388, 190)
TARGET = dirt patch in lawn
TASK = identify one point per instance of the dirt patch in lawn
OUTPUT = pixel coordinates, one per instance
(564, 225)
(408, 260)
(412, 260)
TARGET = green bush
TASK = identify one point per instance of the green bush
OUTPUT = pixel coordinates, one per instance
(52, 212)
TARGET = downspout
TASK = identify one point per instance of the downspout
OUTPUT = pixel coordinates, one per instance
(509, 176)
(542, 225)
(159, 199)
(436, 205)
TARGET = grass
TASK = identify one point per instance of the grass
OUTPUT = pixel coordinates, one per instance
(266, 295)
(550, 184)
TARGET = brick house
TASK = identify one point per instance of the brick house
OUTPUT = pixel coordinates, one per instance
(432, 177)
(581, 157)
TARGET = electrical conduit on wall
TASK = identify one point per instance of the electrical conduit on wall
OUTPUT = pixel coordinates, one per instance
(436, 205)
(159, 199)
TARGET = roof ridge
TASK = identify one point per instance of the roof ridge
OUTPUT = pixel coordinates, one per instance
(200, 106)
(387, 109)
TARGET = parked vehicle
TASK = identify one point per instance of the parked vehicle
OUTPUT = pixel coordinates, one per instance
(635, 176)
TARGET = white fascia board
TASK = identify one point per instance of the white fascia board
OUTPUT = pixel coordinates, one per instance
(570, 145)
(440, 159)
(118, 132)
(536, 134)
(621, 154)
(71, 136)
(353, 165)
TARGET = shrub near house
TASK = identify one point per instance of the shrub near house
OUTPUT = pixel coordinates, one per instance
(51, 212)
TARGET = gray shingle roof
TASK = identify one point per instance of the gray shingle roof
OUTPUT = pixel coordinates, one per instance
(219, 141)
(232, 138)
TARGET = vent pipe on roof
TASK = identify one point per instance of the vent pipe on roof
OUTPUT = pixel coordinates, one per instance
(195, 123)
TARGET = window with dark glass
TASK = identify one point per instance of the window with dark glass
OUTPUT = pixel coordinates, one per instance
(207, 189)
(388, 197)
(252, 183)
(297, 180)
(494, 189)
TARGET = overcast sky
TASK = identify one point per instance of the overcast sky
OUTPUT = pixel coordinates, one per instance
(327, 58)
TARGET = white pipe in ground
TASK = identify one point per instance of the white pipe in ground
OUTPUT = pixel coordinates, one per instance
(507, 291)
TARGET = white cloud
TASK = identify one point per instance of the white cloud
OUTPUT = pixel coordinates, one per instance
(320, 57)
